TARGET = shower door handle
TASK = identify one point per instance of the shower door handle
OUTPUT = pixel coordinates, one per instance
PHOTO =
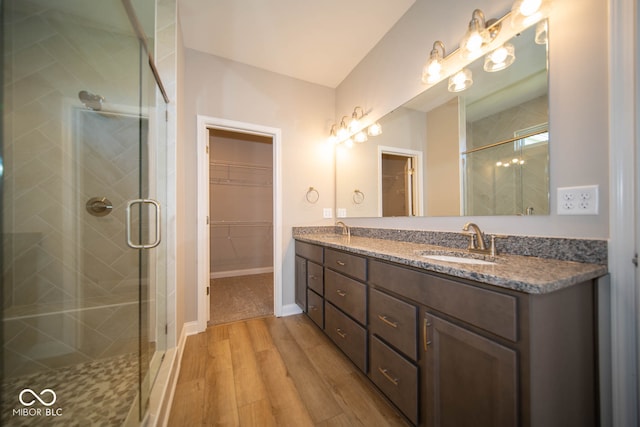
(158, 238)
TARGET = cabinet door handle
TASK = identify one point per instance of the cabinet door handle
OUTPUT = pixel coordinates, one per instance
(342, 334)
(341, 263)
(341, 293)
(312, 277)
(425, 333)
(385, 372)
(386, 320)
(312, 307)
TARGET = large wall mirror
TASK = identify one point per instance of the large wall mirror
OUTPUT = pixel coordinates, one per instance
(482, 151)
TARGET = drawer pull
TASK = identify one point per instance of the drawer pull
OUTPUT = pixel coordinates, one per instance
(425, 333)
(340, 263)
(386, 320)
(312, 307)
(341, 333)
(312, 277)
(385, 372)
(341, 293)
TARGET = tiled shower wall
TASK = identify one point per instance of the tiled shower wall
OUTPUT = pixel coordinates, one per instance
(496, 190)
(70, 302)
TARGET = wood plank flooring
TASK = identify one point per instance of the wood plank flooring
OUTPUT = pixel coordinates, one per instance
(273, 372)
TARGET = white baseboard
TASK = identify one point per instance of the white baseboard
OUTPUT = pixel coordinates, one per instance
(244, 272)
(290, 310)
(175, 363)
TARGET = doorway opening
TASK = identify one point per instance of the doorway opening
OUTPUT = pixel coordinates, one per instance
(240, 225)
(399, 182)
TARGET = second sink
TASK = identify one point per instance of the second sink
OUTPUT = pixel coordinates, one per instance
(456, 256)
(459, 259)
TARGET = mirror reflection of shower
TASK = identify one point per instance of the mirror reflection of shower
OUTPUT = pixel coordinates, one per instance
(90, 100)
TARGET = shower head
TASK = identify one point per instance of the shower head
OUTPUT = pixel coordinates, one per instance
(91, 101)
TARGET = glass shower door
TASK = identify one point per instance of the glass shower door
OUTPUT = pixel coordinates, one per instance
(84, 312)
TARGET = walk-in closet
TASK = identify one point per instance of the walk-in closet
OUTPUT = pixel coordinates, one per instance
(241, 225)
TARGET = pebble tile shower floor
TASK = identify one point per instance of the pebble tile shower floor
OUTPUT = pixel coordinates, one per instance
(98, 393)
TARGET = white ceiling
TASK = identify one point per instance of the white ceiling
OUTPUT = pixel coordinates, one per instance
(317, 41)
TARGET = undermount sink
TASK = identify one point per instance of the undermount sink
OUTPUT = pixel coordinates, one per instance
(458, 257)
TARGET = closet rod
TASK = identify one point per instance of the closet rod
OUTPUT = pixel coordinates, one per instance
(241, 165)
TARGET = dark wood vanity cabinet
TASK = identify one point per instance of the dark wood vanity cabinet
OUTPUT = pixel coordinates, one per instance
(455, 352)
(309, 281)
(469, 380)
(489, 356)
(346, 304)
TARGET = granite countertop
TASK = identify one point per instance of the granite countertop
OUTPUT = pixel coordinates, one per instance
(521, 273)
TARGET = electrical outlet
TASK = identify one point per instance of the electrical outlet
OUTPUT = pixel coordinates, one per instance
(327, 213)
(341, 213)
(578, 200)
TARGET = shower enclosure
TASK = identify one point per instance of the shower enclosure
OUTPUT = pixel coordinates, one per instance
(83, 188)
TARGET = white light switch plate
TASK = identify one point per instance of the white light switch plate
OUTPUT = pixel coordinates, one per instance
(327, 213)
(578, 200)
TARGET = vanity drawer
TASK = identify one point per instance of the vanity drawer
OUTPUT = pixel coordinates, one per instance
(492, 311)
(310, 252)
(347, 294)
(396, 377)
(315, 277)
(395, 321)
(315, 308)
(351, 265)
(348, 335)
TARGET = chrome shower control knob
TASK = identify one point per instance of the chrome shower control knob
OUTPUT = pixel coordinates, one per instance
(99, 206)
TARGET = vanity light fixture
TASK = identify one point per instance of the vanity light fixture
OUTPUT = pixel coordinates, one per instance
(433, 68)
(333, 138)
(527, 12)
(479, 33)
(500, 58)
(343, 131)
(374, 130)
(460, 80)
(354, 124)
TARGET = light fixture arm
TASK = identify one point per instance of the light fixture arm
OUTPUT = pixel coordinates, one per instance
(477, 22)
(355, 115)
(435, 52)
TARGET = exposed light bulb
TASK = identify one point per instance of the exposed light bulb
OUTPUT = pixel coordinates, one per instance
(375, 129)
(460, 81)
(354, 126)
(360, 137)
(343, 133)
(474, 42)
(529, 7)
(348, 143)
(499, 55)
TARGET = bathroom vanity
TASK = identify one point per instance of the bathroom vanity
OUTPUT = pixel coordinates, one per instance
(505, 341)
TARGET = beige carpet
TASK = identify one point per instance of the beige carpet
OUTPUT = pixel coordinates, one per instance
(240, 298)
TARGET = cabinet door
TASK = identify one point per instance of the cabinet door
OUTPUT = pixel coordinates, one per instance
(470, 380)
(301, 282)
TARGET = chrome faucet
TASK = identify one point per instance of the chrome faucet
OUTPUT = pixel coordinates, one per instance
(346, 231)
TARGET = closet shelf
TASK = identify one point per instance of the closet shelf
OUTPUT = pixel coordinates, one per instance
(239, 182)
(240, 224)
(241, 166)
